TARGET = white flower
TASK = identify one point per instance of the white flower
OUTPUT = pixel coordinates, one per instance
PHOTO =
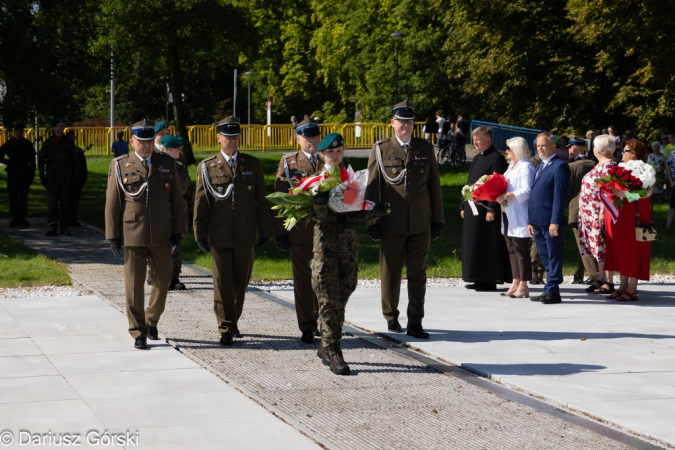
(642, 171)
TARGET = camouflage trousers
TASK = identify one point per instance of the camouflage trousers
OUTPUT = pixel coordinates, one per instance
(334, 277)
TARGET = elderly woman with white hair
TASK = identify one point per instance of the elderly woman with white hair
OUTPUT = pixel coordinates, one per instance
(592, 212)
(514, 215)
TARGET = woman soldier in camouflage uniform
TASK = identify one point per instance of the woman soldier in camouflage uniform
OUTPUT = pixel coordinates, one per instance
(334, 266)
(172, 146)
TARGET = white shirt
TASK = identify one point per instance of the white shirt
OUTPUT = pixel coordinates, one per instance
(544, 164)
(227, 158)
(519, 177)
(146, 159)
(403, 144)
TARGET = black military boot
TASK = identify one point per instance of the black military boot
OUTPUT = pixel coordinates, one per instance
(338, 365)
(323, 354)
(178, 285)
(23, 222)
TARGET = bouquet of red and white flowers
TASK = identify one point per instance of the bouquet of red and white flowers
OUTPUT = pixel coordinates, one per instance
(488, 188)
(347, 193)
(634, 178)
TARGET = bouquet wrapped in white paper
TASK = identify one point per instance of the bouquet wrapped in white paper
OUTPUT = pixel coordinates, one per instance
(351, 194)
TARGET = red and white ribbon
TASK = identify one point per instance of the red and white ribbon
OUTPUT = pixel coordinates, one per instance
(610, 208)
(310, 182)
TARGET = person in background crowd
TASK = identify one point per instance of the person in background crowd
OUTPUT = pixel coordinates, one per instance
(579, 167)
(161, 130)
(670, 146)
(463, 130)
(403, 172)
(592, 213)
(80, 174)
(611, 132)
(625, 254)
(514, 215)
(294, 124)
(546, 215)
(430, 128)
(55, 164)
(440, 120)
(481, 229)
(18, 156)
(120, 146)
(670, 176)
(562, 151)
(230, 207)
(335, 260)
(658, 161)
(590, 135)
(292, 168)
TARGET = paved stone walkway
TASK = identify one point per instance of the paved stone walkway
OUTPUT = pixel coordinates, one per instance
(389, 402)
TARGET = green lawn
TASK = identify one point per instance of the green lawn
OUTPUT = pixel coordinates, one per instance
(21, 266)
(444, 260)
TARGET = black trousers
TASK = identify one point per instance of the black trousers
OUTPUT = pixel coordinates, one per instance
(58, 202)
(17, 189)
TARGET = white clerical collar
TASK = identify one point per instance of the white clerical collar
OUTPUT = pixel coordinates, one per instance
(144, 159)
(312, 157)
(233, 157)
(403, 144)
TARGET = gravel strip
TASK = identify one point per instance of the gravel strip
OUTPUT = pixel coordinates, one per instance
(39, 291)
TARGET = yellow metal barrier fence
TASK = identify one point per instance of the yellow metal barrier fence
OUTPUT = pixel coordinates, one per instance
(253, 137)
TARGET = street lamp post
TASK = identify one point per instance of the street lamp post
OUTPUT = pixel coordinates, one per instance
(398, 36)
(248, 77)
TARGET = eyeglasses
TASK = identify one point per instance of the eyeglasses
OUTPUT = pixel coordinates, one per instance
(626, 151)
(508, 149)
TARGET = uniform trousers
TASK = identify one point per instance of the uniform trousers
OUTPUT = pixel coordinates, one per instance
(75, 195)
(135, 262)
(17, 189)
(232, 268)
(551, 250)
(306, 304)
(58, 202)
(334, 277)
(414, 248)
(589, 263)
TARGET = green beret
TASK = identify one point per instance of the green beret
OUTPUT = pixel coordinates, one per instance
(172, 141)
(159, 126)
(333, 140)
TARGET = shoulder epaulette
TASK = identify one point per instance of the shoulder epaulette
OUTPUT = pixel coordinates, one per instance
(209, 158)
(382, 141)
(119, 158)
(290, 155)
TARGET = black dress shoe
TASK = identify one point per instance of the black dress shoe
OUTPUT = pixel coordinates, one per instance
(417, 331)
(338, 365)
(537, 298)
(226, 339)
(578, 281)
(153, 334)
(179, 286)
(307, 337)
(23, 223)
(236, 333)
(65, 232)
(323, 354)
(13, 223)
(317, 333)
(140, 343)
(471, 286)
(51, 232)
(550, 299)
(485, 287)
(393, 325)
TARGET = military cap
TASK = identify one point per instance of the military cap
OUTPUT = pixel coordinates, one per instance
(228, 126)
(159, 126)
(404, 110)
(143, 130)
(333, 140)
(308, 128)
(577, 141)
(57, 121)
(172, 141)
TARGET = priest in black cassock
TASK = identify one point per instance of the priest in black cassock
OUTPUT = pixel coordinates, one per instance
(485, 260)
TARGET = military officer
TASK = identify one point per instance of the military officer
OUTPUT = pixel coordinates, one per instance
(144, 212)
(292, 168)
(403, 172)
(18, 156)
(161, 130)
(55, 162)
(230, 205)
(335, 261)
(80, 173)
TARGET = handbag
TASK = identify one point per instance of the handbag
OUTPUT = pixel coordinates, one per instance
(644, 233)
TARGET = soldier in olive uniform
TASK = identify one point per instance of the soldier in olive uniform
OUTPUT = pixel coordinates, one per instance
(292, 168)
(335, 261)
(80, 173)
(18, 156)
(172, 145)
(55, 163)
(403, 172)
(229, 203)
(144, 212)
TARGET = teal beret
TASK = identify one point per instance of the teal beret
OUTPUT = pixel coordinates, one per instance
(172, 141)
(159, 126)
(333, 140)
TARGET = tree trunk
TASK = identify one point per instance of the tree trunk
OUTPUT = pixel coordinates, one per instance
(176, 81)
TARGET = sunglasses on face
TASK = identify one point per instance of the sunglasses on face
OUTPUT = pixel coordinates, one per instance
(626, 151)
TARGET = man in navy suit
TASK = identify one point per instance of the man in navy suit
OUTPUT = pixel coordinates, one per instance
(546, 215)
